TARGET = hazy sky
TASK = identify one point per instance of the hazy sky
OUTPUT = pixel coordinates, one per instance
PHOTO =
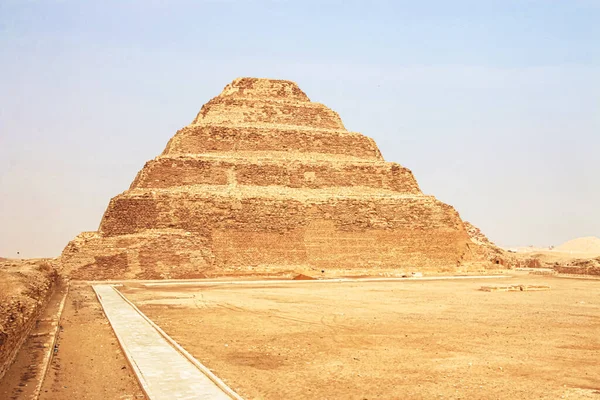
(494, 105)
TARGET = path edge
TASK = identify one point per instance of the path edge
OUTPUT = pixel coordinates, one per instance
(209, 374)
(50, 354)
(132, 364)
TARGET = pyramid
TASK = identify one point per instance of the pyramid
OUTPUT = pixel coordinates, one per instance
(264, 179)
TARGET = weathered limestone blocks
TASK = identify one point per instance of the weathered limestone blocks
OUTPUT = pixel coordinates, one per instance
(273, 89)
(319, 228)
(234, 111)
(202, 209)
(249, 101)
(265, 178)
(200, 139)
(165, 172)
(323, 245)
(153, 254)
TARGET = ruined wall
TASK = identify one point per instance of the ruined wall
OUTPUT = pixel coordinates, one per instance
(264, 177)
(590, 266)
(25, 286)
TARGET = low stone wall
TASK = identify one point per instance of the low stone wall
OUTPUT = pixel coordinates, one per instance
(578, 269)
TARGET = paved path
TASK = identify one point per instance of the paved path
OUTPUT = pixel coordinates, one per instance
(163, 371)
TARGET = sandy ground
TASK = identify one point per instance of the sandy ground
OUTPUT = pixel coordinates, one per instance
(390, 340)
(89, 363)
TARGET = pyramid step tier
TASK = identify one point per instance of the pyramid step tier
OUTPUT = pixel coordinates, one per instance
(235, 110)
(204, 208)
(176, 253)
(270, 89)
(200, 139)
(271, 170)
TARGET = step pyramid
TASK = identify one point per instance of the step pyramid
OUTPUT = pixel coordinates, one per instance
(264, 179)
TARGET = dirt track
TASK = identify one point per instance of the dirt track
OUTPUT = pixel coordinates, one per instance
(89, 363)
(435, 339)
(22, 379)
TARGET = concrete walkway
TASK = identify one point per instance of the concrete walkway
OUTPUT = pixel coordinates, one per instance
(163, 372)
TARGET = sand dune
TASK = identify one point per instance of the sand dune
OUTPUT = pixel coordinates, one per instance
(590, 244)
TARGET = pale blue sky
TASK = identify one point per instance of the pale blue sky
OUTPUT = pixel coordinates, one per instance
(494, 105)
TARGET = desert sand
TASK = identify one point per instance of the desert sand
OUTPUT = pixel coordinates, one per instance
(421, 340)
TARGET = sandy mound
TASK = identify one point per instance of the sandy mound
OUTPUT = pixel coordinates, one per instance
(302, 277)
(590, 244)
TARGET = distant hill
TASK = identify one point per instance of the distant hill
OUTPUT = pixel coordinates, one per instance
(590, 244)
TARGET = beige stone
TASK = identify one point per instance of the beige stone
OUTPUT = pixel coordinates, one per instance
(263, 178)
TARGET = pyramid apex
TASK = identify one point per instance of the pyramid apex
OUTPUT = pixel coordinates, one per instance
(249, 87)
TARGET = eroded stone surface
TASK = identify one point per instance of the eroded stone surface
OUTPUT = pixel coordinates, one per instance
(263, 178)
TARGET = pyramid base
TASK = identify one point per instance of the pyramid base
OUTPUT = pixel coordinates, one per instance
(315, 248)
